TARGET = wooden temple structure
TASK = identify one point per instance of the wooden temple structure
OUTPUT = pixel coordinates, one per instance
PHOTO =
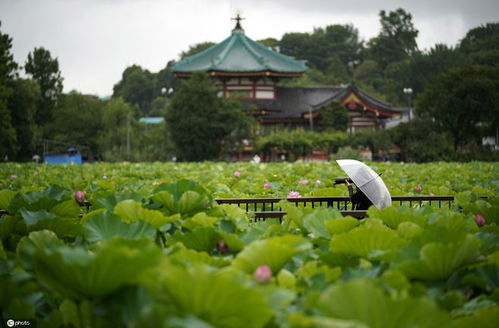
(249, 70)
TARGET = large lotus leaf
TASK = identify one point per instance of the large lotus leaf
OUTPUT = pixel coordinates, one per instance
(362, 301)
(39, 200)
(316, 222)
(131, 211)
(63, 227)
(437, 261)
(217, 297)
(6, 197)
(181, 254)
(370, 240)
(448, 227)
(313, 268)
(187, 322)
(32, 217)
(274, 252)
(106, 225)
(294, 215)
(81, 274)
(180, 187)
(199, 239)
(67, 209)
(233, 241)
(392, 216)
(409, 230)
(301, 321)
(341, 225)
(27, 246)
(111, 201)
(189, 203)
(483, 318)
(200, 220)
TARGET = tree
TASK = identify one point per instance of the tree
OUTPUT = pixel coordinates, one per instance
(77, 120)
(45, 71)
(199, 122)
(8, 71)
(463, 102)
(136, 87)
(117, 140)
(397, 38)
(333, 117)
(481, 44)
(194, 49)
(23, 104)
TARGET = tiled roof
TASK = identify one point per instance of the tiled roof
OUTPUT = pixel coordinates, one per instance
(238, 53)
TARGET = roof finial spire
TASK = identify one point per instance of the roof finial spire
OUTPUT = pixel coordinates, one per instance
(238, 20)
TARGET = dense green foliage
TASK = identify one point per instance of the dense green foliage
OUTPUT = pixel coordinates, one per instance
(200, 122)
(155, 250)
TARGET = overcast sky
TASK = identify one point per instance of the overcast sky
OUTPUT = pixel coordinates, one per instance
(95, 40)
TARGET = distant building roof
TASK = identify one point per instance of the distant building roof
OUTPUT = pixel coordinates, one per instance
(240, 54)
(151, 120)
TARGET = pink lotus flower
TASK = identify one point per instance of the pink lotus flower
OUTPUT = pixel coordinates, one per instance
(480, 220)
(222, 247)
(418, 188)
(79, 196)
(13, 176)
(303, 181)
(294, 194)
(266, 185)
(318, 182)
(431, 194)
(237, 174)
(263, 274)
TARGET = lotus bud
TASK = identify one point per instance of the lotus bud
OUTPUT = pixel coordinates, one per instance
(266, 185)
(418, 188)
(222, 247)
(13, 176)
(237, 174)
(303, 181)
(263, 274)
(431, 194)
(318, 182)
(294, 194)
(480, 220)
(79, 196)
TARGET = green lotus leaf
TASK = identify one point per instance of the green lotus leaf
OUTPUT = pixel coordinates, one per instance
(6, 197)
(27, 246)
(187, 322)
(111, 201)
(66, 209)
(301, 321)
(181, 254)
(286, 279)
(131, 211)
(317, 221)
(219, 298)
(483, 318)
(295, 215)
(32, 217)
(106, 225)
(233, 241)
(180, 187)
(63, 227)
(77, 273)
(409, 230)
(363, 301)
(341, 225)
(274, 252)
(437, 261)
(392, 216)
(200, 220)
(39, 200)
(199, 239)
(313, 268)
(369, 240)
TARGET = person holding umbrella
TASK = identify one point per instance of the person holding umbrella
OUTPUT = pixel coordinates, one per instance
(371, 190)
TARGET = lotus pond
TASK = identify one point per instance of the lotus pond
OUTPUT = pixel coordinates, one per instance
(155, 250)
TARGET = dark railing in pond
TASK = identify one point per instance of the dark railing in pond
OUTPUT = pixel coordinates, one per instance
(268, 207)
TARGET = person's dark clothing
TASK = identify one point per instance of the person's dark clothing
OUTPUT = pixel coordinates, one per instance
(359, 199)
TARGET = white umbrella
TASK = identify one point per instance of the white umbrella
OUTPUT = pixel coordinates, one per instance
(368, 181)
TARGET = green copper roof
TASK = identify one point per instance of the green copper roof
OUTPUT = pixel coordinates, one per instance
(238, 53)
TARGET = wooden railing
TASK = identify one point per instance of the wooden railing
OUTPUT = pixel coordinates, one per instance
(264, 208)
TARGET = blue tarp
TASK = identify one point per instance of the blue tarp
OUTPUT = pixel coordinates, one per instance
(63, 158)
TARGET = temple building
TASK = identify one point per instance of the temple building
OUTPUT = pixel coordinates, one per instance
(249, 70)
